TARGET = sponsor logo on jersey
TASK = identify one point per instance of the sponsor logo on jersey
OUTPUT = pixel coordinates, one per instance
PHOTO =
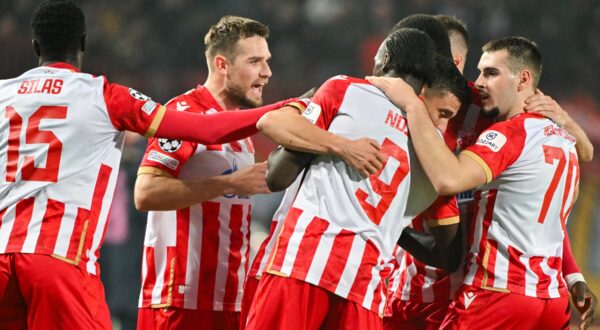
(169, 145)
(149, 107)
(137, 95)
(469, 297)
(233, 168)
(555, 130)
(312, 112)
(493, 140)
(181, 106)
(167, 161)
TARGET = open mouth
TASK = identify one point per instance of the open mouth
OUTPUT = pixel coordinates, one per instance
(258, 88)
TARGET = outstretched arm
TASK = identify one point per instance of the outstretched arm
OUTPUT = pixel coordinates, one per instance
(548, 107)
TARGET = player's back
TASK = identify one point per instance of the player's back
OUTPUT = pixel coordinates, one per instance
(342, 229)
(61, 153)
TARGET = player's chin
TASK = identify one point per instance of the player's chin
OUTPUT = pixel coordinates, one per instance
(253, 101)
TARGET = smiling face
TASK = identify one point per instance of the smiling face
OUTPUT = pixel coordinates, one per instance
(497, 83)
(248, 71)
(442, 106)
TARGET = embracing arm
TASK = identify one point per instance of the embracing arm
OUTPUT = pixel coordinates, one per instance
(156, 190)
(548, 107)
(448, 173)
(284, 166)
(289, 129)
(442, 248)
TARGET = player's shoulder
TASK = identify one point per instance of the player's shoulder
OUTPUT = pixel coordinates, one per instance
(339, 85)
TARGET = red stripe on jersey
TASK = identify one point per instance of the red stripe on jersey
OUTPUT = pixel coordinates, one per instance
(279, 251)
(150, 278)
(50, 226)
(543, 280)
(214, 147)
(377, 295)
(516, 271)
(236, 146)
(308, 245)
(166, 293)
(24, 211)
(418, 280)
(337, 261)
(441, 286)
(181, 255)
(250, 145)
(14, 142)
(487, 220)
(556, 263)
(364, 273)
(236, 240)
(262, 250)
(96, 208)
(80, 224)
(247, 256)
(2, 216)
(490, 266)
(209, 251)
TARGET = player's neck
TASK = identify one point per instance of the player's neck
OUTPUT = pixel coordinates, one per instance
(518, 106)
(416, 83)
(218, 91)
(48, 60)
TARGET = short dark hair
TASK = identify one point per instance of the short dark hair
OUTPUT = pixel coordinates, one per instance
(522, 52)
(448, 79)
(222, 37)
(432, 27)
(411, 52)
(454, 25)
(58, 27)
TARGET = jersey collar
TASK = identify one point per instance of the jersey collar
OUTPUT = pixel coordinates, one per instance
(63, 65)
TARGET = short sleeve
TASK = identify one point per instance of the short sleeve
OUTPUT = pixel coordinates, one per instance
(167, 155)
(326, 102)
(444, 211)
(130, 110)
(498, 147)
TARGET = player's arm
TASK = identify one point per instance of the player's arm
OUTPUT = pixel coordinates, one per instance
(291, 130)
(549, 108)
(583, 298)
(284, 166)
(448, 173)
(443, 248)
(157, 190)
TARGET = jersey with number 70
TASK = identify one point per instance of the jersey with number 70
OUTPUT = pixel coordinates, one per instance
(341, 230)
(516, 244)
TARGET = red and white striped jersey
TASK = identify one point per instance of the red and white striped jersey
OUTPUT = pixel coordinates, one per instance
(259, 264)
(341, 231)
(517, 239)
(196, 257)
(61, 136)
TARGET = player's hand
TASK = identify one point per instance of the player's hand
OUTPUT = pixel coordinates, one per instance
(251, 180)
(363, 155)
(585, 302)
(396, 89)
(548, 107)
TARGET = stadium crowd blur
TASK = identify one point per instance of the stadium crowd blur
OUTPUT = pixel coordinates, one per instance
(157, 47)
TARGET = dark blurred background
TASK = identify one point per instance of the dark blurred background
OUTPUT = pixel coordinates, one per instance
(157, 47)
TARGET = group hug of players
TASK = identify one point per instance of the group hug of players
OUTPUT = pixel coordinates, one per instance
(361, 239)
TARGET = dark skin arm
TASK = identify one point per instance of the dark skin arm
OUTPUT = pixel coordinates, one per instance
(442, 248)
(284, 166)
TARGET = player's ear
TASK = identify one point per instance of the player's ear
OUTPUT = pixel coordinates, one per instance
(36, 47)
(385, 62)
(525, 80)
(221, 64)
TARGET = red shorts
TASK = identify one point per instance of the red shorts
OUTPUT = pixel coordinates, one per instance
(416, 316)
(247, 298)
(42, 292)
(179, 318)
(286, 303)
(476, 308)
